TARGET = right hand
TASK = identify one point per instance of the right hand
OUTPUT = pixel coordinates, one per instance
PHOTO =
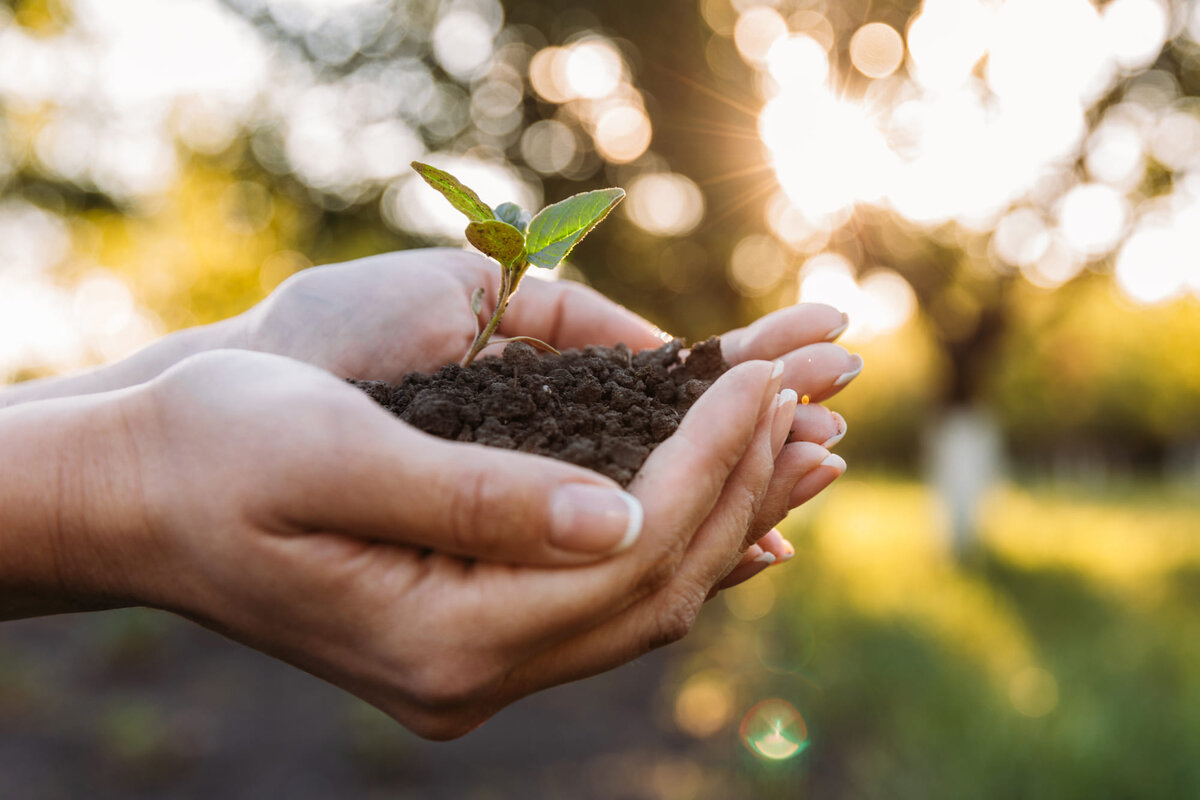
(285, 509)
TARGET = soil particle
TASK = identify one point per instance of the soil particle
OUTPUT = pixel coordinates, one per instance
(602, 408)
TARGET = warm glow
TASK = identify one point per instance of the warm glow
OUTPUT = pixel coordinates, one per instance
(756, 30)
(876, 50)
(704, 705)
(1153, 265)
(622, 134)
(797, 61)
(593, 69)
(757, 265)
(1021, 237)
(664, 203)
(880, 303)
(1135, 31)
(1091, 218)
(827, 153)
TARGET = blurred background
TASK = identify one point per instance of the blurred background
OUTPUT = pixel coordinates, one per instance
(1000, 599)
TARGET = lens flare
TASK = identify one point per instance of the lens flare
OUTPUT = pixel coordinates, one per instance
(774, 730)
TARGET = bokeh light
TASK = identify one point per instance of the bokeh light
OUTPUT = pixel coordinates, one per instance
(664, 203)
(876, 50)
(879, 303)
(774, 730)
(757, 264)
(751, 600)
(1033, 692)
(704, 704)
(757, 29)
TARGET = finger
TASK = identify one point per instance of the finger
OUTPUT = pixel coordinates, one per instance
(755, 560)
(567, 314)
(813, 422)
(766, 551)
(667, 614)
(381, 479)
(783, 331)
(816, 480)
(793, 464)
(820, 370)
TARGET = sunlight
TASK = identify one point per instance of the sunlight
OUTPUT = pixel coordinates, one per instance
(879, 303)
(826, 152)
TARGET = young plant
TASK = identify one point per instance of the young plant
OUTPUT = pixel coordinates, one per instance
(511, 237)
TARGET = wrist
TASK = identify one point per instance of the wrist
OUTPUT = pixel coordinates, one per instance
(73, 529)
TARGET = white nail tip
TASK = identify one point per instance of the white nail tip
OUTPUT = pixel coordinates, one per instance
(777, 370)
(765, 558)
(835, 461)
(846, 377)
(832, 440)
(787, 396)
(634, 529)
(838, 331)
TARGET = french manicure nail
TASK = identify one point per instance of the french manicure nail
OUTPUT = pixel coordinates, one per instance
(767, 558)
(835, 461)
(839, 330)
(594, 519)
(851, 374)
(841, 431)
(785, 412)
(776, 369)
(789, 551)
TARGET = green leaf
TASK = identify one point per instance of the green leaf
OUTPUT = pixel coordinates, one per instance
(556, 229)
(462, 198)
(499, 240)
(514, 215)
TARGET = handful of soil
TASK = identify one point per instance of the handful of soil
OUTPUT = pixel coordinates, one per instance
(604, 408)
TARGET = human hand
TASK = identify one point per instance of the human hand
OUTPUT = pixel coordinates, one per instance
(281, 507)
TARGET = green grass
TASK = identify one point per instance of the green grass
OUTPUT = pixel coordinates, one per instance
(1063, 662)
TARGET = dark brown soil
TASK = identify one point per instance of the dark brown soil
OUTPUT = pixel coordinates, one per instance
(602, 408)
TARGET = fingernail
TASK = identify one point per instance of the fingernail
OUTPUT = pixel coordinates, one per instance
(772, 388)
(839, 330)
(594, 519)
(789, 551)
(850, 375)
(766, 557)
(835, 461)
(785, 411)
(841, 428)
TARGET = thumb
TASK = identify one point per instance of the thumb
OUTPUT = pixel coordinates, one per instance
(403, 486)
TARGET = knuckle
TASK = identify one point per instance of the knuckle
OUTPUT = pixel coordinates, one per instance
(471, 527)
(659, 570)
(444, 727)
(446, 687)
(676, 616)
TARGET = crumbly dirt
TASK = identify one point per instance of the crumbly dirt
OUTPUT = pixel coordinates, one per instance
(602, 408)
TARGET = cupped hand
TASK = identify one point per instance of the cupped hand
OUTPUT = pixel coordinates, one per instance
(380, 317)
(281, 507)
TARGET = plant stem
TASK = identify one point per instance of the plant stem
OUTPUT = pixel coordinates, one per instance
(484, 336)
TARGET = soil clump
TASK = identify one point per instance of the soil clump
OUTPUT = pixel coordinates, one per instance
(602, 408)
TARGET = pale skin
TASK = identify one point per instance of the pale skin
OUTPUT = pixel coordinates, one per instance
(217, 475)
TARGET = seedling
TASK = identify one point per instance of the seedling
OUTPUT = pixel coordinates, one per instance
(510, 236)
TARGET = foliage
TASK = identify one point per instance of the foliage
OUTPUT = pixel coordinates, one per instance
(516, 241)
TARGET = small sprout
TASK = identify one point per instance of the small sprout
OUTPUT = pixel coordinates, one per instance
(515, 240)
